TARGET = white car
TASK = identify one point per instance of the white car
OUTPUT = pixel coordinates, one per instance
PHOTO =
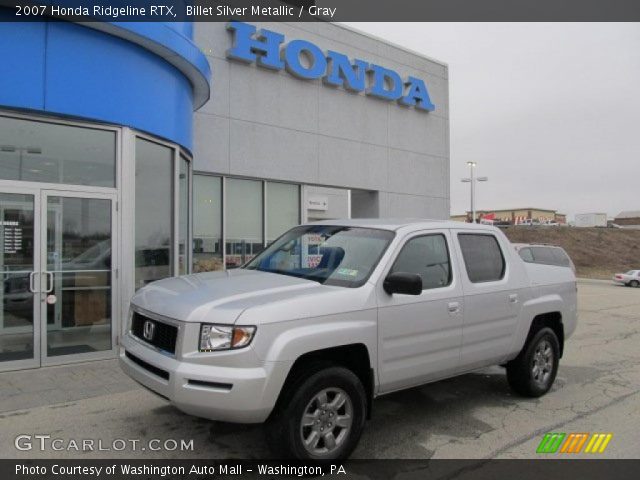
(630, 279)
(334, 314)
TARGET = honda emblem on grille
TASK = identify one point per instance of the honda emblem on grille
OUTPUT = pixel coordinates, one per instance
(148, 329)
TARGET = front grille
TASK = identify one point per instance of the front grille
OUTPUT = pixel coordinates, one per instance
(164, 335)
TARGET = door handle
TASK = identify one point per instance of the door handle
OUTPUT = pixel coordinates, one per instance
(513, 298)
(49, 286)
(31, 286)
(454, 307)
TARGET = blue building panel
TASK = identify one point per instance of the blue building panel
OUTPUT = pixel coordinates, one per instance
(110, 79)
(103, 73)
(22, 50)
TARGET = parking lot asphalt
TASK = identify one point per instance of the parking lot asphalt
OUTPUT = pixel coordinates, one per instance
(473, 416)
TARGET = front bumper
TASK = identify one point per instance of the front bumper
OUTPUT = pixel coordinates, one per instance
(229, 394)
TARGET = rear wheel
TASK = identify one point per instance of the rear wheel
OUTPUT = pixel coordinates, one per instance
(534, 370)
(634, 283)
(322, 417)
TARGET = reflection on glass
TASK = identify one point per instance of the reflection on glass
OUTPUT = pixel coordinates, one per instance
(283, 209)
(154, 211)
(207, 223)
(46, 152)
(16, 263)
(79, 280)
(244, 221)
(183, 230)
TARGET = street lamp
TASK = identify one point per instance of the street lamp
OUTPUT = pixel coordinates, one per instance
(472, 179)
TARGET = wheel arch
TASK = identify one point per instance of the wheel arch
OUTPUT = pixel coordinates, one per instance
(552, 320)
(354, 357)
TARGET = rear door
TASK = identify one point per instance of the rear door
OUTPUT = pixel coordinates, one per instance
(419, 335)
(493, 288)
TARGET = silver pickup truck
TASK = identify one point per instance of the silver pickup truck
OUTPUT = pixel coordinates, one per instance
(334, 314)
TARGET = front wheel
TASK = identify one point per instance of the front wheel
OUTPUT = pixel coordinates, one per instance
(534, 370)
(634, 283)
(322, 419)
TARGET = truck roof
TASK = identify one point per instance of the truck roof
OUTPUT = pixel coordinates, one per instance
(396, 224)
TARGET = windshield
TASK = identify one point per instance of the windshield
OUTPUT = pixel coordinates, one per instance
(328, 254)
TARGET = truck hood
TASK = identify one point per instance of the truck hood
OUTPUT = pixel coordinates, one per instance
(217, 297)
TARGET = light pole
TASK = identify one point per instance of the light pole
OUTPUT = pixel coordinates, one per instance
(472, 179)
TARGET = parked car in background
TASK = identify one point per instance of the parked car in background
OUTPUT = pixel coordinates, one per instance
(544, 255)
(334, 314)
(630, 279)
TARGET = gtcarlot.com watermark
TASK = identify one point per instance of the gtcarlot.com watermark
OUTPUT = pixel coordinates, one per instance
(43, 443)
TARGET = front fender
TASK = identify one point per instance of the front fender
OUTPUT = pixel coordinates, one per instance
(287, 341)
(282, 343)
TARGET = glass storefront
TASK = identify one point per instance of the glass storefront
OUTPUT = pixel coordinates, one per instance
(33, 151)
(243, 221)
(79, 264)
(17, 246)
(283, 209)
(67, 190)
(154, 211)
(255, 213)
(207, 223)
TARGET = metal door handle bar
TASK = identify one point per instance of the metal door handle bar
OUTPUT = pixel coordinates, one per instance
(31, 286)
(49, 285)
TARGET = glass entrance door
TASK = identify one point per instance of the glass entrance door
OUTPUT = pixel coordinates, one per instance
(19, 274)
(77, 294)
(58, 252)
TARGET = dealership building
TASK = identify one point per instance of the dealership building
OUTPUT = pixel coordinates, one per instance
(130, 152)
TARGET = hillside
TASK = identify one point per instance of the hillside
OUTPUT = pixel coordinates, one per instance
(596, 252)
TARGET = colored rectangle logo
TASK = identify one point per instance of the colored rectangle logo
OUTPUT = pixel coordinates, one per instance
(574, 443)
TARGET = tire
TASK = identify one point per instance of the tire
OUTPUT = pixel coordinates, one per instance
(342, 394)
(533, 371)
(634, 283)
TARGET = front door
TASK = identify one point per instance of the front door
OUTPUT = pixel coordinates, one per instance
(58, 269)
(419, 336)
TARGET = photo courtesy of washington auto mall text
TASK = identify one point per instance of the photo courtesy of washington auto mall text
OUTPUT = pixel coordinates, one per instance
(354, 239)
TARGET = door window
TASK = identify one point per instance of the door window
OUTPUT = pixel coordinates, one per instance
(482, 257)
(78, 276)
(427, 256)
(16, 272)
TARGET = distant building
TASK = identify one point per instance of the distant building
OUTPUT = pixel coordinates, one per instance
(516, 216)
(630, 218)
(590, 220)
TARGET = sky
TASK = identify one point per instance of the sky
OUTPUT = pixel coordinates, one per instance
(550, 112)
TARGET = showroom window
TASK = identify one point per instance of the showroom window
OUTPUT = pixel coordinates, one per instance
(207, 223)
(154, 212)
(162, 221)
(244, 221)
(283, 208)
(35, 151)
(255, 213)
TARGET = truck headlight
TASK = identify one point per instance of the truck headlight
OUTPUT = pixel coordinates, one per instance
(224, 337)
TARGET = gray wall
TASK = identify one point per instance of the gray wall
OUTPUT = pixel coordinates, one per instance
(265, 124)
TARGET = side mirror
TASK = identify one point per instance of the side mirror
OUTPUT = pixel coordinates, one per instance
(404, 283)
